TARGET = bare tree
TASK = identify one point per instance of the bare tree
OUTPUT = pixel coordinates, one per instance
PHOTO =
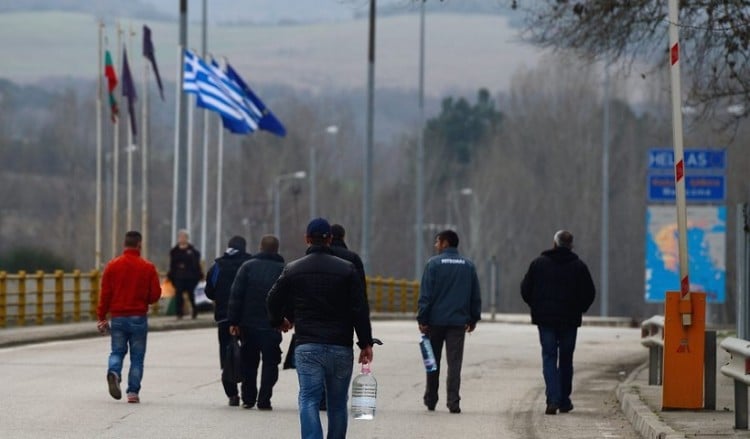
(715, 38)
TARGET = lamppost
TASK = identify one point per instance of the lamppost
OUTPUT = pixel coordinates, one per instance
(467, 191)
(277, 198)
(332, 130)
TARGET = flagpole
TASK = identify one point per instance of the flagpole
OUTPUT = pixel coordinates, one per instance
(189, 183)
(176, 164)
(219, 177)
(204, 174)
(116, 158)
(98, 209)
(204, 185)
(131, 147)
(144, 163)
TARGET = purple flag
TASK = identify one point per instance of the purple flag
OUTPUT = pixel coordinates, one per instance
(128, 89)
(148, 52)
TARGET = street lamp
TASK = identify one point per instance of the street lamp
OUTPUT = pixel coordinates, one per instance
(467, 191)
(332, 130)
(277, 198)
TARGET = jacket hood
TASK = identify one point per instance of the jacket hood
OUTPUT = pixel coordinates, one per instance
(560, 255)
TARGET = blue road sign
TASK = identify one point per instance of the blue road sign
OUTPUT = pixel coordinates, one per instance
(662, 159)
(698, 188)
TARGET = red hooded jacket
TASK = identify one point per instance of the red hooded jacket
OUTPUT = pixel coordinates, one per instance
(129, 285)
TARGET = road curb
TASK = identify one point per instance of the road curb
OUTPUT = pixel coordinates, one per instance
(640, 415)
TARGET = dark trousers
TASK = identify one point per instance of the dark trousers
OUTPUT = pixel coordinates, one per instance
(225, 338)
(257, 344)
(558, 344)
(180, 286)
(453, 337)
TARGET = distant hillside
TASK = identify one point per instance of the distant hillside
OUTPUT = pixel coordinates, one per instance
(258, 11)
(100, 8)
(463, 51)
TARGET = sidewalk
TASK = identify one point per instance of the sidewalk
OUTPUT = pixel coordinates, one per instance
(641, 404)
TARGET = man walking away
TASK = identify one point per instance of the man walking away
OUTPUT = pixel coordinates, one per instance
(218, 286)
(450, 305)
(248, 319)
(558, 289)
(323, 296)
(340, 249)
(184, 272)
(129, 285)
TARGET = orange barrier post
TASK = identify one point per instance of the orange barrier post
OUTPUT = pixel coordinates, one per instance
(684, 347)
(59, 296)
(77, 295)
(39, 297)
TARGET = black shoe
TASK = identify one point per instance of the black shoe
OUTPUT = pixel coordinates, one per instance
(234, 401)
(551, 409)
(265, 406)
(566, 408)
(114, 385)
(454, 409)
(248, 405)
(430, 407)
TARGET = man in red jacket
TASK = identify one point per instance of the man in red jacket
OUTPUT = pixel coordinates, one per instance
(129, 285)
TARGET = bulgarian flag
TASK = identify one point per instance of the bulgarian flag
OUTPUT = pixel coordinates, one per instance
(109, 72)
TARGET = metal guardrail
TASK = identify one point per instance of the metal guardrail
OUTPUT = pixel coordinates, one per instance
(38, 298)
(738, 368)
(652, 337)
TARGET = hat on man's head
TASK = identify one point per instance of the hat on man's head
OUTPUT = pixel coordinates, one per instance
(319, 227)
(238, 243)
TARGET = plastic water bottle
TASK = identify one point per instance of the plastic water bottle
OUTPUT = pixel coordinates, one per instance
(430, 365)
(364, 394)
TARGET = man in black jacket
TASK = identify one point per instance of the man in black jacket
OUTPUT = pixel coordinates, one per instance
(340, 249)
(323, 296)
(184, 271)
(248, 319)
(218, 283)
(559, 289)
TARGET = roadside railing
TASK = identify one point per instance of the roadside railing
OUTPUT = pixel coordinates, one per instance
(652, 337)
(738, 368)
(38, 298)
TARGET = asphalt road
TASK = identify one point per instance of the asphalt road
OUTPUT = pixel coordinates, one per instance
(58, 389)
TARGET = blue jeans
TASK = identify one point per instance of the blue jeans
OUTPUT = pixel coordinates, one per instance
(129, 332)
(323, 367)
(558, 344)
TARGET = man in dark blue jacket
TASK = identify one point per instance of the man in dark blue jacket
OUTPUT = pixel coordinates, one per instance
(248, 319)
(450, 305)
(218, 285)
(559, 289)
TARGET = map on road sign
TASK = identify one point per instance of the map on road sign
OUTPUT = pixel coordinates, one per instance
(706, 237)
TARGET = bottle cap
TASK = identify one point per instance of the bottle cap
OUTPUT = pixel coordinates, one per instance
(366, 368)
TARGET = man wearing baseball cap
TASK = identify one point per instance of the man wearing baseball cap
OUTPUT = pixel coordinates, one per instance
(323, 297)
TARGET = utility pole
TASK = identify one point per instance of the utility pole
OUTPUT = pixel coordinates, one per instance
(418, 231)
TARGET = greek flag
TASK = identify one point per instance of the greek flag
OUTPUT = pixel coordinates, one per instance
(216, 92)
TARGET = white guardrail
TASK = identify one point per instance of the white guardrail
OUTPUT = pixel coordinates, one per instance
(738, 368)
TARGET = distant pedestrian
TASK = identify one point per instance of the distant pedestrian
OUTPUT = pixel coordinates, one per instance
(218, 287)
(450, 305)
(341, 250)
(249, 320)
(323, 296)
(558, 289)
(129, 285)
(184, 272)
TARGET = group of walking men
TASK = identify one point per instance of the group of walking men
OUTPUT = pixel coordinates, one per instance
(322, 296)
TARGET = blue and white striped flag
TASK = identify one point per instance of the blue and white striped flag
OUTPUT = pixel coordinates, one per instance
(216, 92)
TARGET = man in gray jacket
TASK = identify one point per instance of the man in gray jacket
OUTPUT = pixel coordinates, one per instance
(450, 305)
